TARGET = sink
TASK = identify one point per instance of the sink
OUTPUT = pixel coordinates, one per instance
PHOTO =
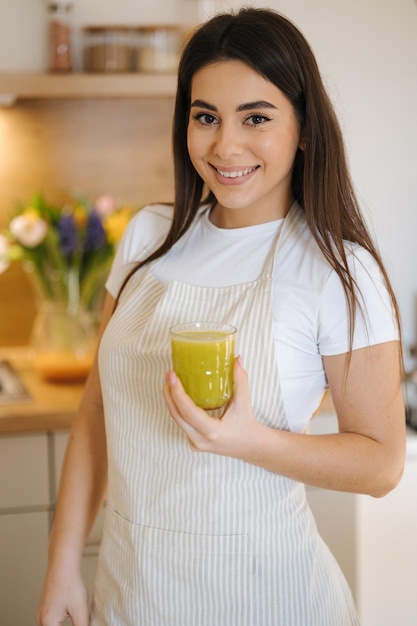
(12, 390)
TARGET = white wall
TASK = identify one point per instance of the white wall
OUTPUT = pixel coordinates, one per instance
(367, 51)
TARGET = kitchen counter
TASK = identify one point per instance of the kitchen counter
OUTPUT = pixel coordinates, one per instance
(48, 407)
(52, 406)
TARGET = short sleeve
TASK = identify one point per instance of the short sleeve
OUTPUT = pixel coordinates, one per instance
(375, 320)
(144, 233)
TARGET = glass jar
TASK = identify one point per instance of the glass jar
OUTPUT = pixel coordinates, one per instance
(59, 36)
(62, 343)
(108, 48)
(158, 48)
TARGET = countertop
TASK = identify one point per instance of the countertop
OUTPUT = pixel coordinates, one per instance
(52, 406)
(49, 406)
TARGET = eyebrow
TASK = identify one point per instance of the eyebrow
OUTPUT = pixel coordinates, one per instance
(248, 106)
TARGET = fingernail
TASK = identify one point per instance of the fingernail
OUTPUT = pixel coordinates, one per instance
(240, 361)
(170, 377)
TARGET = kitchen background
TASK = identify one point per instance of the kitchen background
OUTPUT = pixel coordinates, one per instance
(119, 143)
(367, 52)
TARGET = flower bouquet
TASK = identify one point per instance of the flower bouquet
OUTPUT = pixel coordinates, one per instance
(67, 251)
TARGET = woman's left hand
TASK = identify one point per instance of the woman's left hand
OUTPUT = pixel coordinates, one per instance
(232, 435)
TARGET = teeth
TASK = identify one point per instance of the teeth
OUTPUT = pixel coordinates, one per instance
(236, 174)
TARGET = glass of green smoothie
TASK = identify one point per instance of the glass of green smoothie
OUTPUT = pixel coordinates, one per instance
(202, 358)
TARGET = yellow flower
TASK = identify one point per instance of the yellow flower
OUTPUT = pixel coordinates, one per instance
(31, 213)
(115, 224)
(80, 215)
(67, 248)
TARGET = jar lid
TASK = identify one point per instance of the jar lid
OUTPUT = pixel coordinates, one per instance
(148, 28)
(108, 28)
(59, 5)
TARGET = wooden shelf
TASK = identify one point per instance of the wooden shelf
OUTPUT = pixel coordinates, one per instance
(45, 86)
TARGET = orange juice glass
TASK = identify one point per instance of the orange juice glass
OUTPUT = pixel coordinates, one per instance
(202, 357)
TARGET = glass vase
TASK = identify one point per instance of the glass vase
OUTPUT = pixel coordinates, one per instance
(63, 343)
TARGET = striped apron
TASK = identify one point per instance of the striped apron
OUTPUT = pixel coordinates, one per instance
(193, 538)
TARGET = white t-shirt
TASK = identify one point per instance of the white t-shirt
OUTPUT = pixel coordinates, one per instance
(310, 310)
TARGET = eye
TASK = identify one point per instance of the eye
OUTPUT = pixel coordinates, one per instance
(256, 119)
(206, 119)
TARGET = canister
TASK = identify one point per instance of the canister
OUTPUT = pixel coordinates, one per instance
(158, 48)
(108, 48)
(60, 36)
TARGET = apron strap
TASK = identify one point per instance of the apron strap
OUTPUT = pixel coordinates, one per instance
(292, 221)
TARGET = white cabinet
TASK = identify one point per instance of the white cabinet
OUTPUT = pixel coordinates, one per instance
(24, 525)
(23, 549)
(374, 541)
(335, 515)
(24, 471)
(387, 553)
(30, 466)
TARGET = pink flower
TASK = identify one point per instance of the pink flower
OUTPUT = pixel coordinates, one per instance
(105, 205)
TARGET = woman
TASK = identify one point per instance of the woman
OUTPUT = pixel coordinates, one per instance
(206, 519)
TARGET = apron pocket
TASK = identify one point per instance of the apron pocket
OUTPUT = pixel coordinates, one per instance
(172, 578)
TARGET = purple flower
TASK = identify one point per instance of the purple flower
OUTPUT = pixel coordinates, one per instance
(68, 235)
(95, 235)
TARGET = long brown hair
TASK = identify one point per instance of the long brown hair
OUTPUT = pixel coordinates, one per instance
(271, 45)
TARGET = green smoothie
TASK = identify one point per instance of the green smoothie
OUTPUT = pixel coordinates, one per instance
(202, 358)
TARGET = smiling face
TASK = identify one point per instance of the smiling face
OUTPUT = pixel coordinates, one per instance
(242, 139)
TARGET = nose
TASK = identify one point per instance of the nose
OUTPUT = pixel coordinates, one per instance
(228, 141)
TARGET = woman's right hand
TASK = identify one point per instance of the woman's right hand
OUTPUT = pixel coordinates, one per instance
(61, 599)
